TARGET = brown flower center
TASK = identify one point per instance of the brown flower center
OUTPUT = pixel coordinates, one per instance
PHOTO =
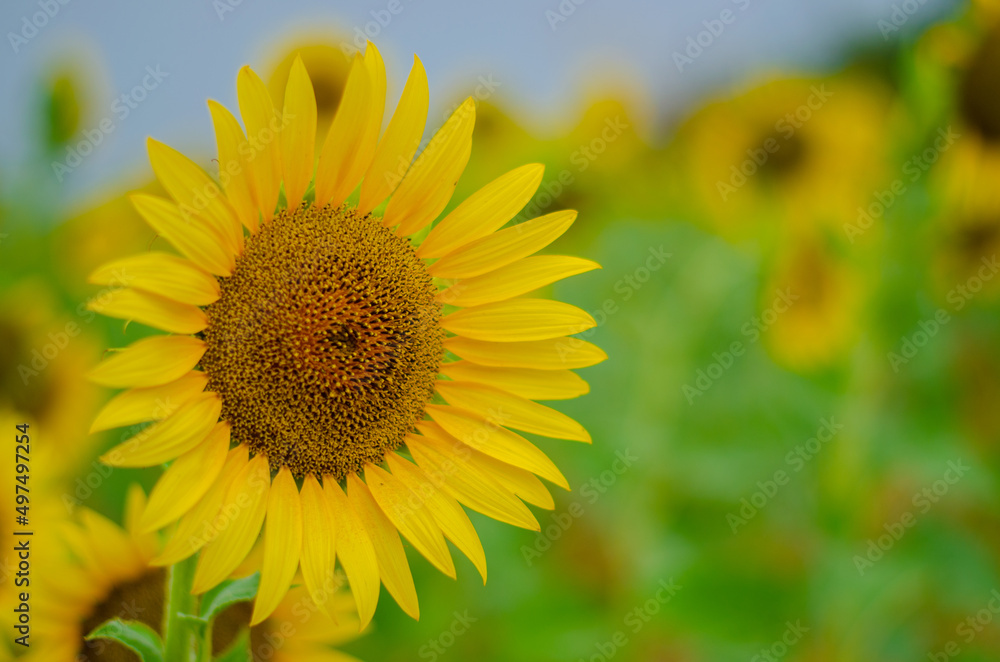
(325, 342)
(978, 100)
(140, 599)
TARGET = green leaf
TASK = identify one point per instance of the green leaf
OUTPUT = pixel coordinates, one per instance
(229, 593)
(137, 637)
(239, 651)
(191, 619)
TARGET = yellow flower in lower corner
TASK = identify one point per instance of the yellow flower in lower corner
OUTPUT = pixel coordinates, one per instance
(311, 377)
(93, 571)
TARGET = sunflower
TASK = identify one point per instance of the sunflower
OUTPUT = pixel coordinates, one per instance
(312, 369)
(44, 355)
(759, 162)
(966, 229)
(94, 570)
(811, 305)
(966, 224)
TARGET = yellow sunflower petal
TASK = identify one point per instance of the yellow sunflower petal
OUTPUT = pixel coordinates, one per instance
(198, 526)
(515, 279)
(282, 545)
(402, 137)
(151, 310)
(79, 544)
(151, 361)
(487, 437)
(449, 469)
(522, 483)
(111, 544)
(393, 567)
(153, 403)
(197, 241)
(411, 517)
(243, 508)
(355, 551)
(484, 211)
(171, 437)
(197, 195)
(431, 180)
(518, 320)
(146, 544)
(551, 354)
(319, 545)
(444, 509)
(187, 480)
(135, 505)
(299, 137)
(234, 166)
(504, 247)
(160, 273)
(350, 144)
(525, 382)
(512, 410)
(263, 136)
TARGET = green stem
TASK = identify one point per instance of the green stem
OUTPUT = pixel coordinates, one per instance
(178, 638)
(206, 644)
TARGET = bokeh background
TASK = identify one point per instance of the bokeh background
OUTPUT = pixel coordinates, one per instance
(797, 207)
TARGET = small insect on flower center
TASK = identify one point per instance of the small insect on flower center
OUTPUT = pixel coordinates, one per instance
(325, 343)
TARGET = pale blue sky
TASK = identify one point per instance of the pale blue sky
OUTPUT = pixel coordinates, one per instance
(544, 67)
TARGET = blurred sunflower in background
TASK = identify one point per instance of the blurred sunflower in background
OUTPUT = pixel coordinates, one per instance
(95, 571)
(325, 337)
(811, 304)
(966, 225)
(327, 66)
(102, 229)
(44, 355)
(763, 162)
(601, 167)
